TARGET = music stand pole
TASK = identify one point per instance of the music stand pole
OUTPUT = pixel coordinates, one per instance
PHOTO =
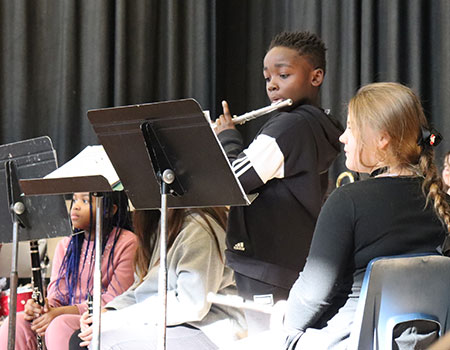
(25, 159)
(18, 214)
(13, 287)
(167, 178)
(97, 292)
(171, 135)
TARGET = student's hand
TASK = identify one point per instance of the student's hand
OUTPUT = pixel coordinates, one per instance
(224, 122)
(40, 324)
(32, 310)
(277, 316)
(86, 329)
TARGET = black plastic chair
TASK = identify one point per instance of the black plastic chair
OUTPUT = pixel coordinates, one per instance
(398, 291)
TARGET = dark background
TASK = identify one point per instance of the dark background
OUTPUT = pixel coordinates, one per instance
(60, 58)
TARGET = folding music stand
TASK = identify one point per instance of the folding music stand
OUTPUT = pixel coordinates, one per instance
(32, 218)
(97, 185)
(162, 149)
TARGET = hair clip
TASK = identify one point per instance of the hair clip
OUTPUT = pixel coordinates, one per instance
(378, 171)
(429, 137)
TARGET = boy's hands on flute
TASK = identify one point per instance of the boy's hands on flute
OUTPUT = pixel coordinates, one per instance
(224, 121)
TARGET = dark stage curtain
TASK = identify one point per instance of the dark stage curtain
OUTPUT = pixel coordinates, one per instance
(60, 58)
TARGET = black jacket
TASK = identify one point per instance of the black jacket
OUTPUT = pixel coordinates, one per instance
(287, 165)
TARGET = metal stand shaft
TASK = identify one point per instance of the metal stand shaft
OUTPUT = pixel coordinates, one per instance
(97, 292)
(168, 177)
(13, 288)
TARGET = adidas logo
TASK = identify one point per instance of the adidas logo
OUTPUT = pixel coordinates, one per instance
(239, 246)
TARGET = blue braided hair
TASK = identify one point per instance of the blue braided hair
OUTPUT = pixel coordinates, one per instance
(70, 269)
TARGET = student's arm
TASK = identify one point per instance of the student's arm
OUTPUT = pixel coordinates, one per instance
(198, 269)
(285, 147)
(58, 256)
(54, 307)
(125, 299)
(329, 256)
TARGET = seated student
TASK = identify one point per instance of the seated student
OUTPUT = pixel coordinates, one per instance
(400, 209)
(72, 273)
(196, 266)
(446, 172)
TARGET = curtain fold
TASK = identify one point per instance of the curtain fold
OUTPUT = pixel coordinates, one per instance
(61, 58)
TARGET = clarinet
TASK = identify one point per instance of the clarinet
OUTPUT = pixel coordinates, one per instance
(38, 286)
(90, 304)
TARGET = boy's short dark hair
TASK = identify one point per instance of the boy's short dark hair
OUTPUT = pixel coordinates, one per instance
(306, 44)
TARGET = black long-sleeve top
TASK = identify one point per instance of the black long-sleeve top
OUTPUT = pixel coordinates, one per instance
(377, 217)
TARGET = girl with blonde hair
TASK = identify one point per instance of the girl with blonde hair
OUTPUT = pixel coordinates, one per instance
(400, 209)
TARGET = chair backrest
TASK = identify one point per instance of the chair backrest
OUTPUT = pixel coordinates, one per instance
(397, 289)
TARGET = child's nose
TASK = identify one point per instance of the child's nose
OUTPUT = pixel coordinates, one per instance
(272, 86)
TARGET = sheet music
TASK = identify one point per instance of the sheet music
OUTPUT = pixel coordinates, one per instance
(93, 160)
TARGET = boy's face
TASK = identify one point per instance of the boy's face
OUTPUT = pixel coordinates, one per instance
(289, 75)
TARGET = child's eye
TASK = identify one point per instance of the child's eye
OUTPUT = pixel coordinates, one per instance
(85, 201)
(284, 76)
(267, 79)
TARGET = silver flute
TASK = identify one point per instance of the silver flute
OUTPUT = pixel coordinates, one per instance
(259, 112)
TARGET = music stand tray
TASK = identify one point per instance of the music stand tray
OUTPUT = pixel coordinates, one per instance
(167, 156)
(46, 216)
(190, 145)
(25, 217)
(96, 184)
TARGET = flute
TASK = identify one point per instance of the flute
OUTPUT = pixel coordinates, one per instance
(259, 112)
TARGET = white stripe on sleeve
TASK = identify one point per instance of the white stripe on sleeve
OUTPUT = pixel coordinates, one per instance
(265, 156)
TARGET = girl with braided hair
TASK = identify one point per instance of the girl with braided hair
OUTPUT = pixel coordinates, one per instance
(401, 208)
(446, 172)
(72, 273)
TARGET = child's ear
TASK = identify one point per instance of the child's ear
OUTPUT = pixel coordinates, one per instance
(317, 77)
(383, 140)
(114, 209)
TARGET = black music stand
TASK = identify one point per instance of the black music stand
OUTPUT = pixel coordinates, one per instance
(167, 156)
(32, 218)
(96, 185)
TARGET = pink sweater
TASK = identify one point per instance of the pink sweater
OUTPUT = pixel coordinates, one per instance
(61, 328)
(114, 281)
